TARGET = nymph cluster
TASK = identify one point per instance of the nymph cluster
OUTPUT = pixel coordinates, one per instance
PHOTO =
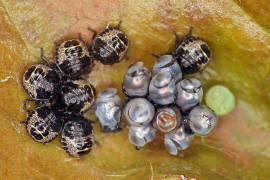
(62, 92)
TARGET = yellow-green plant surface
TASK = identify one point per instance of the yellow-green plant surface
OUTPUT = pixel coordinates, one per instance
(239, 36)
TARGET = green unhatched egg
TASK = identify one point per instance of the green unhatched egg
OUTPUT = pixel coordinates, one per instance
(220, 99)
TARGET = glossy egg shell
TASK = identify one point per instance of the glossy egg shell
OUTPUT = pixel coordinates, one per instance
(136, 80)
(108, 109)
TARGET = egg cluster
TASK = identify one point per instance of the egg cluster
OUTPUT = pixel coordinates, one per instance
(162, 100)
(62, 95)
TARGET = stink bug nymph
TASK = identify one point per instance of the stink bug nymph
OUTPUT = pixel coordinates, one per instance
(110, 46)
(44, 124)
(77, 137)
(73, 59)
(41, 82)
(76, 96)
(193, 54)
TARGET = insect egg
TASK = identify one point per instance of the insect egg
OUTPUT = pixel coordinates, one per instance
(168, 63)
(189, 93)
(108, 108)
(136, 80)
(177, 141)
(141, 135)
(139, 112)
(167, 119)
(162, 88)
(203, 120)
(220, 99)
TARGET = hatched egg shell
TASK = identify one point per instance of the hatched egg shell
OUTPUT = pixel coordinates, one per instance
(140, 136)
(178, 140)
(162, 88)
(139, 112)
(189, 93)
(168, 63)
(202, 120)
(136, 80)
(108, 109)
(167, 119)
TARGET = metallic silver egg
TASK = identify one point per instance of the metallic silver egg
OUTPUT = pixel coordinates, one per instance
(202, 120)
(168, 63)
(167, 119)
(141, 135)
(139, 112)
(162, 88)
(136, 80)
(178, 140)
(108, 109)
(189, 93)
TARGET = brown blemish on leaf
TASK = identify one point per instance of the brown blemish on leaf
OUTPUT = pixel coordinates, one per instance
(164, 11)
(225, 133)
(229, 128)
(194, 11)
(94, 13)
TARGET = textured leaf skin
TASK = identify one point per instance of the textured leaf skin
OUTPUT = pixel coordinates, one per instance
(238, 34)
